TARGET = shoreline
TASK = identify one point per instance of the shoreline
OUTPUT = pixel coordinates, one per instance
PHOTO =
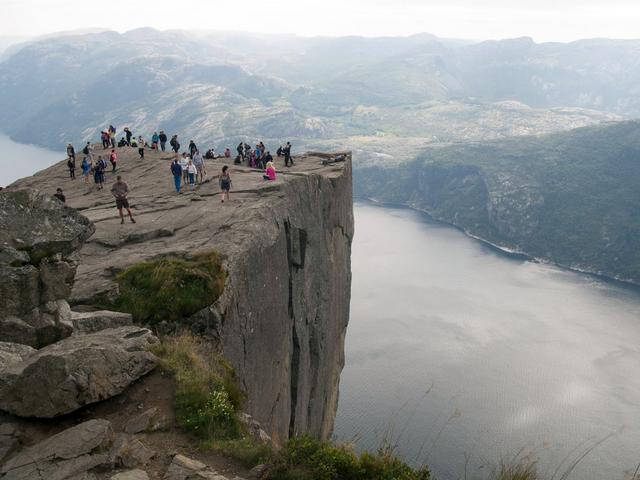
(510, 252)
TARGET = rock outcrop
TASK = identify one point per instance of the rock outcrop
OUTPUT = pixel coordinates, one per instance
(282, 317)
(38, 238)
(77, 371)
(63, 456)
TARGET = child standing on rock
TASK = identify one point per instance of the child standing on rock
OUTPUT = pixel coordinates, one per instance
(225, 183)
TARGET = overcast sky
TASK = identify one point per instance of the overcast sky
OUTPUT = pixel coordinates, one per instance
(544, 20)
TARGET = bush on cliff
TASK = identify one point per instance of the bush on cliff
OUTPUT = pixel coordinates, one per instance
(170, 289)
(304, 458)
(207, 396)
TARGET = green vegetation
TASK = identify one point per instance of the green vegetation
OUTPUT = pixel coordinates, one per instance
(523, 470)
(170, 289)
(207, 396)
(570, 198)
(304, 458)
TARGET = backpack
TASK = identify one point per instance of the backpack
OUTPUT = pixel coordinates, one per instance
(85, 150)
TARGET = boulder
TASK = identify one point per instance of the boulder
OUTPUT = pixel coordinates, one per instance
(129, 452)
(185, 468)
(38, 238)
(91, 322)
(69, 454)
(40, 225)
(76, 371)
(13, 353)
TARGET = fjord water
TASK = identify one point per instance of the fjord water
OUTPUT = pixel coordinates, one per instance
(20, 160)
(460, 355)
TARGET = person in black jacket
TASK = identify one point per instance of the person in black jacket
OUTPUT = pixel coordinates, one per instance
(163, 140)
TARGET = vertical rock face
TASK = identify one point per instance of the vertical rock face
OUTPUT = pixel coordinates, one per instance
(286, 307)
(286, 245)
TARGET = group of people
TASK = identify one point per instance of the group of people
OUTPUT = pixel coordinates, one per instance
(259, 156)
(187, 168)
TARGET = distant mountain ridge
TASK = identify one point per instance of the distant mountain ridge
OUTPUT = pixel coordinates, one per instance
(223, 88)
(571, 198)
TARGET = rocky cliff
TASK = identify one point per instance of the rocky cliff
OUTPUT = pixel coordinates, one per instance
(282, 317)
(568, 198)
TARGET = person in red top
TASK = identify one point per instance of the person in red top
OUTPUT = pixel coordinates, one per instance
(113, 158)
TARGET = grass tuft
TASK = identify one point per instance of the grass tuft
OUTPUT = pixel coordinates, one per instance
(207, 396)
(170, 289)
(305, 458)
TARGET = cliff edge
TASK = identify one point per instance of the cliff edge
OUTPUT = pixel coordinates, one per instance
(286, 245)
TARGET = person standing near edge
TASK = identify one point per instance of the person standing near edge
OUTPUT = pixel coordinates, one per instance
(120, 190)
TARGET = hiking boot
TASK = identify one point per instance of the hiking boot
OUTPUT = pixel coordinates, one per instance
(132, 220)
(122, 221)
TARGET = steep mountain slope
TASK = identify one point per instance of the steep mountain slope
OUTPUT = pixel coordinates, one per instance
(570, 198)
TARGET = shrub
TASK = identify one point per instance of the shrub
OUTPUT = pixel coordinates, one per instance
(304, 458)
(207, 396)
(170, 289)
(245, 450)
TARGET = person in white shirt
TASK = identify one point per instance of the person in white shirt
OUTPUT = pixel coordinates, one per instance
(184, 161)
(191, 170)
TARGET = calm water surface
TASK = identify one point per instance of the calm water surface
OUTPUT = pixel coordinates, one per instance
(460, 355)
(19, 160)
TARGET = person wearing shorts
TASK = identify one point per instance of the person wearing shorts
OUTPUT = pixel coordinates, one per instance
(120, 190)
(225, 183)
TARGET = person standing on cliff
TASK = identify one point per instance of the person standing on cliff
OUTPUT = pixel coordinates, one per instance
(141, 147)
(225, 183)
(176, 170)
(71, 165)
(163, 140)
(120, 190)
(198, 161)
(128, 134)
(287, 155)
(71, 152)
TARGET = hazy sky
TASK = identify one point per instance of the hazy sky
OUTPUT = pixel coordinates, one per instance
(543, 20)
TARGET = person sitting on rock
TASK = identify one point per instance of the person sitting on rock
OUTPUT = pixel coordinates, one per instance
(120, 190)
(227, 152)
(270, 172)
(225, 183)
(60, 196)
